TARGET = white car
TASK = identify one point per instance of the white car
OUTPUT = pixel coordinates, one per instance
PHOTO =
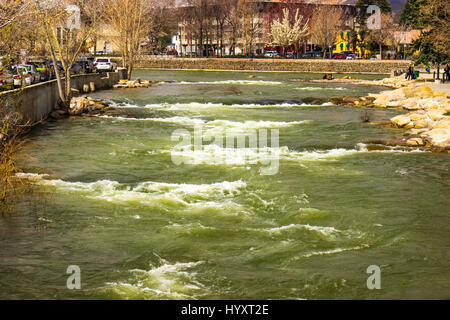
(270, 54)
(32, 71)
(22, 77)
(351, 57)
(104, 65)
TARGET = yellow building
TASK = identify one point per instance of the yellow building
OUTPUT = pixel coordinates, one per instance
(343, 43)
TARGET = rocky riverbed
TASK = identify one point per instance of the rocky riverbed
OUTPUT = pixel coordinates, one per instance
(427, 123)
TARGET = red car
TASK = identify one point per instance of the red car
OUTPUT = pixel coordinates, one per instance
(339, 56)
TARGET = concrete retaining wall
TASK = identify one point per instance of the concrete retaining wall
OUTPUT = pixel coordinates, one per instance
(36, 102)
(300, 65)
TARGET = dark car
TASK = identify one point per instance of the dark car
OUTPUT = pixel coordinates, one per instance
(87, 66)
(60, 68)
(43, 67)
(312, 55)
(339, 56)
(76, 68)
(6, 80)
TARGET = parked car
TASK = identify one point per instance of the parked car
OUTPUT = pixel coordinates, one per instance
(271, 54)
(92, 60)
(22, 77)
(43, 67)
(6, 80)
(373, 58)
(60, 69)
(104, 65)
(339, 56)
(32, 71)
(87, 65)
(312, 55)
(76, 68)
(351, 56)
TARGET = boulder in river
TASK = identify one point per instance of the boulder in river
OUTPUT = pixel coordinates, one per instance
(86, 105)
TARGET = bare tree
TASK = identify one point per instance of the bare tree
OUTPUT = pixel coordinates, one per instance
(220, 12)
(18, 27)
(326, 23)
(67, 26)
(198, 16)
(13, 11)
(131, 20)
(161, 24)
(383, 35)
(234, 24)
(251, 21)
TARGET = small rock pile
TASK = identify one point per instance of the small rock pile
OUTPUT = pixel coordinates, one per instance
(85, 105)
(138, 83)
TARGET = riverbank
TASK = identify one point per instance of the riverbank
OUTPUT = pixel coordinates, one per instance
(36, 102)
(427, 122)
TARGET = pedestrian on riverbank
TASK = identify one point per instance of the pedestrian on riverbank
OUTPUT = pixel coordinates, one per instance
(410, 75)
(446, 73)
(427, 68)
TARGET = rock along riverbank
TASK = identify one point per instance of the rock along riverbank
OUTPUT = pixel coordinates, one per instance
(427, 122)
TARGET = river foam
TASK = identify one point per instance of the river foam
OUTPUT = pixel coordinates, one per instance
(164, 280)
(215, 154)
(216, 125)
(151, 193)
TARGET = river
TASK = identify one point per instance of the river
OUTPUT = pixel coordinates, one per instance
(216, 226)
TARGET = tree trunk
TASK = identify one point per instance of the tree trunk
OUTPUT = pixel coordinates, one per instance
(58, 79)
(130, 69)
(68, 86)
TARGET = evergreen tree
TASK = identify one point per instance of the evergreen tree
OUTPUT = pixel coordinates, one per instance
(411, 15)
(434, 43)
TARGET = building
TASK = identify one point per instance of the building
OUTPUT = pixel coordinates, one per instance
(243, 27)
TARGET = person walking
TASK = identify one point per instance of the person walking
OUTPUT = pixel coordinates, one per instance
(446, 73)
(410, 75)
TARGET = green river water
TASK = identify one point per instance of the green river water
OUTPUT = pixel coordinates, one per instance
(216, 227)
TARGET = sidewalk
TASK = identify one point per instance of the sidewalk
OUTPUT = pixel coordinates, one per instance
(429, 76)
(445, 87)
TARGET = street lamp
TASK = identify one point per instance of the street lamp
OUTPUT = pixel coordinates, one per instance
(329, 48)
(438, 71)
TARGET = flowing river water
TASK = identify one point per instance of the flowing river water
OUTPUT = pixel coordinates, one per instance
(215, 226)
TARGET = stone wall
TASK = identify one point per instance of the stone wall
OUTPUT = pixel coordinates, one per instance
(300, 65)
(36, 102)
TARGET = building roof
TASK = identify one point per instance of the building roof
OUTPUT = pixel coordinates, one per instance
(406, 37)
